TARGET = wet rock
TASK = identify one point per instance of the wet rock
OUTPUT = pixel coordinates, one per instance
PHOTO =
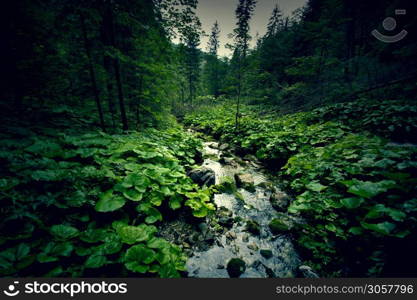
(278, 226)
(245, 238)
(213, 145)
(209, 238)
(225, 217)
(245, 181)
(202, 176)
(279, 201)
(266, 253)
(227, 185)
(203, 227)
(224, 147)
(251, 158)
(231, 235)
(227, 161)
(253, 227)
(307, 272)
(253, 247)
(236, 267)
(220, 267)
(265, 184)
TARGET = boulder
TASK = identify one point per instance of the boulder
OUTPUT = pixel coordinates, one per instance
(203, 176)
(253, 247)
(279, 201)
(224, 147)
(236, 267)
(307, 272)
(225, 217)
(253, 227)
(245, 181)
(278, 226)
(266, 253)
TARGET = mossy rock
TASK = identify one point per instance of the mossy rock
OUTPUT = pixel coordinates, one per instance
(266, 253)
(278, 226)
(253, 227)
(227, 185)
(236, 267)
(245, 181)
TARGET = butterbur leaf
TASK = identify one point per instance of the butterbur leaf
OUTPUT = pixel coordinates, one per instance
(158, 243)
(137, 258)
(175, 202)
(112, 245)
(153, 215)
(384, 228)
(168, 271)
(352, 203)
(95, 261)
(93, 235)
(316, 186)
(379, 210)
(133, 194)
(156, 198)
(139, 182)
(134, 234)
(356, 230)
(109, 202)
(64, 232)
(368, 189)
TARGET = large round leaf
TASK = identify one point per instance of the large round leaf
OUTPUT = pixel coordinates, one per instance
(134, 234)
(138, 258)
(64, 232)
(109, 202)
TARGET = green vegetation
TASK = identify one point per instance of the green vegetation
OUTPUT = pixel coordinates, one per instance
(96, 154)
(71, 201)
(355, 189)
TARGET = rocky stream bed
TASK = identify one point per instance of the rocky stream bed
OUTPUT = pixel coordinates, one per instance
(247, 237)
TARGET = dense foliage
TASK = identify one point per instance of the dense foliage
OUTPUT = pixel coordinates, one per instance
(85, 204)
(93, 161)
(354, 188)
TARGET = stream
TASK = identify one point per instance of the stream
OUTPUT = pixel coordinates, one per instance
(264, 254)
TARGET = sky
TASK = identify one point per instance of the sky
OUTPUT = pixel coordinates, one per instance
(224, 12)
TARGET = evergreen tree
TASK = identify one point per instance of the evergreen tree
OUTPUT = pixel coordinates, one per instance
(241, 35)
(212, 62)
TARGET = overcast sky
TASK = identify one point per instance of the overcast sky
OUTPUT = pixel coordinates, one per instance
(224, 12)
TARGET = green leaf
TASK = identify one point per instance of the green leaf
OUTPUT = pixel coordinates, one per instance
(95, 261)
(134, 234)
(133, 194)
(356, 230)
(368, 189)
(153, 215)
(379, 210)
(352, 203)
(175, 202)
(315, 186)
(384, 228)
(158, 243)
(139, 182)
(109, 202)
(93, 235)
(137, 258)
(64, 232)
(112, 245)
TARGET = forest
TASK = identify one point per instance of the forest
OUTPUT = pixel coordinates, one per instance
(128, 148)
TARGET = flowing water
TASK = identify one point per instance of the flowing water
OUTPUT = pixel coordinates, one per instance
(237, 242)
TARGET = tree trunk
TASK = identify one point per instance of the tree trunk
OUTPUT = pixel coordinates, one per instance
(116, 66)
(92, 72)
